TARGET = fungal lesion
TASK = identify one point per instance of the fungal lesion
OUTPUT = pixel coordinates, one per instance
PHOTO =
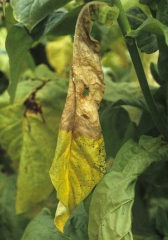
(85, 116)
(31, 105)
(85, 91)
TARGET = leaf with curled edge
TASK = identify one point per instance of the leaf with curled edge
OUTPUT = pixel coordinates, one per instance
(79, 161)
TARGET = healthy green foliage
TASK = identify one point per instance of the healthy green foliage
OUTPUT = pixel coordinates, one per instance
(42, 227)
(162, 64)
(66, 24)
(146, 42)
(111, 118)
(112, 200)
(151, 25)
(31, 12)
(77, 226)
(18, 42)
(11, 225)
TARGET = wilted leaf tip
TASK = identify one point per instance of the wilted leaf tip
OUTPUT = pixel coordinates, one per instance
(79, 162)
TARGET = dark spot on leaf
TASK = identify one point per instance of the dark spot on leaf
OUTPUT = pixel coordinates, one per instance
(85, 91)
(85, 116)
(31, 105)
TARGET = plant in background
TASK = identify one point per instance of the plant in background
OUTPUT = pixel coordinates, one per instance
(128, 198)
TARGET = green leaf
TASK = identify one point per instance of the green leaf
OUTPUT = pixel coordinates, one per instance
(58, 23)
(9, 18)
(135, 102)
(110, 214)
(31, 12)
(4, 61)
(77, 225)
(115, 91)
(162, 221)
(141, 224)
(116, 133)
(30, 136)
(162, 64)
(11, 121)
(155, 73)
(3, 6)
(135, 16)
(150, 25)
(147, 43)
(162, 8)
(3, 82)
(38, 147)
(42, 227)
(11, 225)
(66, 25)
(153, 237)
(147, 2)
(18, 42)
(47, 24)
(33, 184)
(146, 124)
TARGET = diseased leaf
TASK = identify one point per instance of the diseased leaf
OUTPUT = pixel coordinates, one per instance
(42, 227)
(31, 12)
(11, 120)
(110, 208)
(33, 184)
(79, 162)
(18, 42)
(40, 127)
(28, 132)
(151, 25)
(63, 23)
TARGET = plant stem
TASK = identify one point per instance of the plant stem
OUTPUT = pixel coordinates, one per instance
(132, 48)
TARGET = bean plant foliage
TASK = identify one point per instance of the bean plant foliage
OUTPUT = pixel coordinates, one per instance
(83, 120)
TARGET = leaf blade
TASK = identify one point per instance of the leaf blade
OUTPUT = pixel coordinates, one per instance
(31, 12)
(111, 203)
(80, 147)
(151, 25)
(18, 42)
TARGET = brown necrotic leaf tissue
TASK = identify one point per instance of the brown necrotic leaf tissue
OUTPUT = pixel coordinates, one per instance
(79, 162)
